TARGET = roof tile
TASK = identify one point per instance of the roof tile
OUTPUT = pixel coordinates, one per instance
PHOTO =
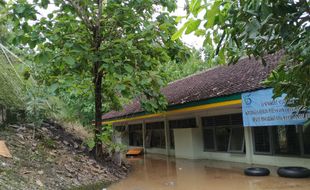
(246, 75)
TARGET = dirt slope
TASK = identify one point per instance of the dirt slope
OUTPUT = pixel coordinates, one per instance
(54, 159)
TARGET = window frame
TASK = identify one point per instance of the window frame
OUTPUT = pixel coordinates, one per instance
(214, 140)
(272, 145)
(135, 131)
(155, 128)
(298, 141)
(229, 140)
(216, 147)
(234, 120)
(171, 123)
(243, 141)
(271, 152)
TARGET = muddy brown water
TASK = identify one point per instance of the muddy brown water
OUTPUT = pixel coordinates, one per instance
(161, 173)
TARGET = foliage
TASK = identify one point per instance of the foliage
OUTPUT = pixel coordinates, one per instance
(95, 54)
(11, 86)
(20, 95)
(173, 70)
(255, 28)
(38, 105)
(107, 139)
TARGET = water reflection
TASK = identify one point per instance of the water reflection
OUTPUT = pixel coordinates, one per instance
(161, 173)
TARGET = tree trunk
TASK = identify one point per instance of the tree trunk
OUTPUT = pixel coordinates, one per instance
(98, 76)
(98, 95)
(98, 109)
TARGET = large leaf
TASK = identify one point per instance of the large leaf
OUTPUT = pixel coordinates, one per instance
(179, 33)
(211, 14)
(69, 60)
(192, 26)
(194, 7)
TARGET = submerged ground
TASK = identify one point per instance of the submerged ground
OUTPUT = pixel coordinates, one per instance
(54, 159)
(162, 173)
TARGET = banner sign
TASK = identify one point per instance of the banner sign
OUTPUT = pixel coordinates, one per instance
(260, 109)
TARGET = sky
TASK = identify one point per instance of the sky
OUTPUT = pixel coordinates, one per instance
(190, 40)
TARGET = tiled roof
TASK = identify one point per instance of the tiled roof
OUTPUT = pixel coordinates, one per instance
(246, 75)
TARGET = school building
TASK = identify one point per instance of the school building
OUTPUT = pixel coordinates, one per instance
(224, 113)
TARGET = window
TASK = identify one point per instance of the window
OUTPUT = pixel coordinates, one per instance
(183, 123)
(223, 133)
(282, 140)
(208, 136)
(222, 138)
(286, 140)
(135, 135)
(261, 140)
(155, 135)
(236, 144)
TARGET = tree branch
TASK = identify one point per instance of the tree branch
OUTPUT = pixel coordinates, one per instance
(98, 22)
(82, 14)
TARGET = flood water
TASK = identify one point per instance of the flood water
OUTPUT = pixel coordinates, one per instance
(161, 173)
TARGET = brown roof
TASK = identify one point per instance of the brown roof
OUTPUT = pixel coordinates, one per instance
(246, 75)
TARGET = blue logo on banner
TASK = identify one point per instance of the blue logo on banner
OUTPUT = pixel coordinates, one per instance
(260, 109)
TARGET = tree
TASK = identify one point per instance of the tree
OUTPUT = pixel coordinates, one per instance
(256, 28)
(98, 50)
(176, 70)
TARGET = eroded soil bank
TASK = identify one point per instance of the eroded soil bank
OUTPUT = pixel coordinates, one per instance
(161, 173)
(54, 159)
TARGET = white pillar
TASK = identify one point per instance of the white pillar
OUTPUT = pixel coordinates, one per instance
(167, 136)
(143, 136)
(248, 145)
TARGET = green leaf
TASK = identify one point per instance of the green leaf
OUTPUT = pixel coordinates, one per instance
(253, 28)
(20, 8)
(44, 3)
(211, 14)
(194, 7)
(192, 26)
(42, 58)
(69, 60)
(179, 18)
(128, 68)
(179, 33)
(208, 39)
(50, 16)
(200, 32)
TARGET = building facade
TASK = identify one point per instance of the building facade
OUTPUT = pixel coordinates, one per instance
(207, 118)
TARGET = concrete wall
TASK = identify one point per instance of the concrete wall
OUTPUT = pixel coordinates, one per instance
(183, 143)
(159, 151)
(188, 143)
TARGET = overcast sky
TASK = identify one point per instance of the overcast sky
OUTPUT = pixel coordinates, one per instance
(190, 39)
